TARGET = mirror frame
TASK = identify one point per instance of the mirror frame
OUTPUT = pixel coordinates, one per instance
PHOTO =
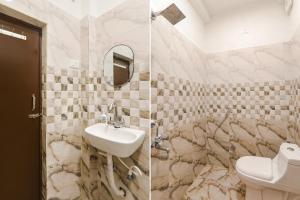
(133, 64)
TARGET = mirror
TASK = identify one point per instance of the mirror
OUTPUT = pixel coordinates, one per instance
(118, 65)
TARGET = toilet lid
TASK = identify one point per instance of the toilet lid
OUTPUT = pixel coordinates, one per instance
(258, 167)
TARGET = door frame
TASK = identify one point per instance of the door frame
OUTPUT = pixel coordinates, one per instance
(14, 20)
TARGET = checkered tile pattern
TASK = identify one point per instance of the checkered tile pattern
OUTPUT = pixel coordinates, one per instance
(295, 110)
(132, 99)
(267, 100)
(175, 101)
(71, 95)
(62, 96)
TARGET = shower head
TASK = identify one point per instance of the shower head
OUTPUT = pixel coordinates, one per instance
(171, 13)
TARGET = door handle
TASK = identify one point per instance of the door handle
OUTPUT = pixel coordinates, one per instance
(33, 102)
(34, 116)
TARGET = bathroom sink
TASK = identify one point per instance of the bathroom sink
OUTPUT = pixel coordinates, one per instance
(121, 142)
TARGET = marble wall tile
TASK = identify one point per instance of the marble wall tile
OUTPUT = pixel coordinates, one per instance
(63, 38)
(216, 183)
(177, 100)
(250, 106)
(259, 64)
(187, 157)
(174, 54)
(274, 62)
(218, 141)
(61, 30)
(63, 133)
(127, 23)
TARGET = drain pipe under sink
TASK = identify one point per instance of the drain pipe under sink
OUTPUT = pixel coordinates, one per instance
(110, 168)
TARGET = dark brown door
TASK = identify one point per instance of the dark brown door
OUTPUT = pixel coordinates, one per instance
(19, 134)
(121, 75)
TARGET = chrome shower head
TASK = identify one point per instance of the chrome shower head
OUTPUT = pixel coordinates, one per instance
(172, 13)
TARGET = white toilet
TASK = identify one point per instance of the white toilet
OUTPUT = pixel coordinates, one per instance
(281, 173)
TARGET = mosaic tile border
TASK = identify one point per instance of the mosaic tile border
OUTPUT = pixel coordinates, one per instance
(266, 100)
(175, 101)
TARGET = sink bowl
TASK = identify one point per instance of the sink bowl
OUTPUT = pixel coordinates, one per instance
(121, 142)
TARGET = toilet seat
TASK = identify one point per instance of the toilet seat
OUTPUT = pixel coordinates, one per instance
(257, 167)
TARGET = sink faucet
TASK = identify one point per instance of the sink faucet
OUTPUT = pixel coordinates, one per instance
(118, 120)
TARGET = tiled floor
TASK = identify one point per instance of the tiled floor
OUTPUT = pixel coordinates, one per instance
(216, 183)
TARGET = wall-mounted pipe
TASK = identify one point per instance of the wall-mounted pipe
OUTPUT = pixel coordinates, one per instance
(132, 169)
(111, 180)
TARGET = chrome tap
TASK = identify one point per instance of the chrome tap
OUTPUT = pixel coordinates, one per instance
(118, 120)
(157, 143)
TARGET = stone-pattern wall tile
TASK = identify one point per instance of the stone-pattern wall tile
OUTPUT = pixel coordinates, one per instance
(218, 141)
(127, 23)
(177, 100)
(199, 145)
(63, 132)
(258, 64)
(181, 160)
(229, 126)
(216, 183)
(249, 102)
(174, 55)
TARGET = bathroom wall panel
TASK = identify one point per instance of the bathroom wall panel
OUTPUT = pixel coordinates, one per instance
(176, 104)
(63, 105)
(174, 55)
(177, 101)
(256, 88)
(274, 62)
(187, 157)
(216, 183)
(259, 86)
(128, 24)
(64, 134)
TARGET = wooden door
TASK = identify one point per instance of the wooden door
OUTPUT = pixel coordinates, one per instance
(19, 99)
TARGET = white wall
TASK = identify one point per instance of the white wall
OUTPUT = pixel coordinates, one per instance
(191, 26)
(252, 25)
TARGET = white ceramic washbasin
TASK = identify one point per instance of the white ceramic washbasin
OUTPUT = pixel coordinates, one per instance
(121, 142)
